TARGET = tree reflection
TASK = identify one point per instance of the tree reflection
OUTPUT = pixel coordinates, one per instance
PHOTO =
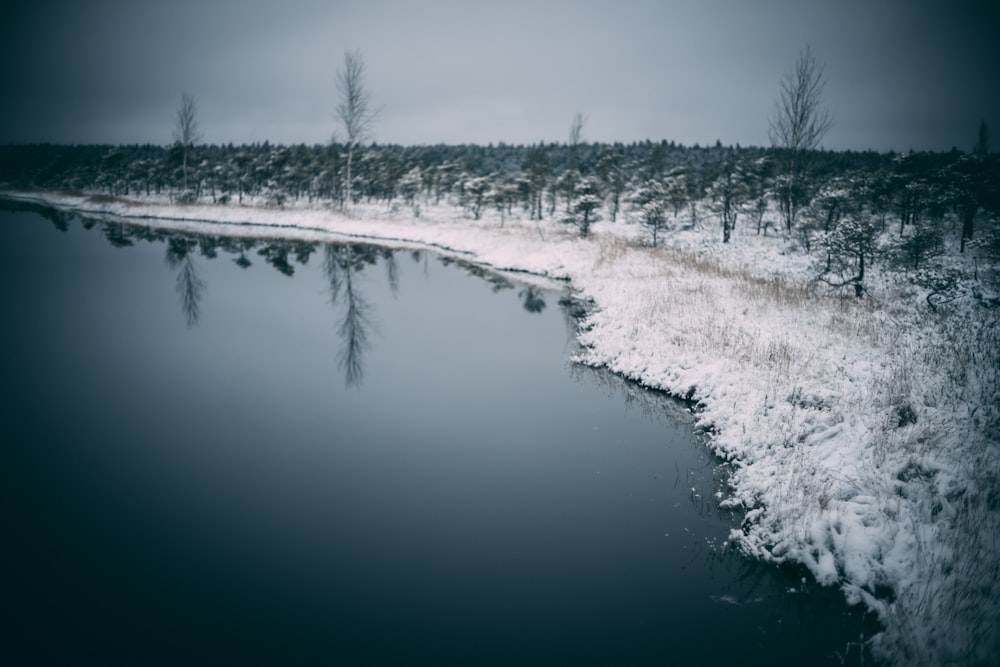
(190, 288)
(242, 247)
(117, 235)
(58, 218)
(208, 246)
(303, 250)
(341, 264)
(532, 299)
(496, 281)
(391, 271)
(276, 254)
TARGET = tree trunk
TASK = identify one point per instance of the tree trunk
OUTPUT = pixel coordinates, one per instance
(968, 224)
(859, 286)
(350, 156)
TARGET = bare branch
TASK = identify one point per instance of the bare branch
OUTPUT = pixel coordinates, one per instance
(798, 125)
(187, 131)
(800, 121)
(576, 130)
(354, 110)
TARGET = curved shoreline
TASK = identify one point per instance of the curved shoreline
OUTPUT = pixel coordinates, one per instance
(804, 393)
(304, 232)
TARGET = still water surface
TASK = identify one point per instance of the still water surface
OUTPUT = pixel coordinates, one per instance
(237, 450)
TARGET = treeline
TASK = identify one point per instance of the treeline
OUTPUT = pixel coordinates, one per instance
(838, 205)
(383, 172)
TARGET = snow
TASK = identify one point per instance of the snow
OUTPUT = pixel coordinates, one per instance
(803, 390)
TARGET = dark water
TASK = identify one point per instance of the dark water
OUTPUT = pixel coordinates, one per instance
(249, 451)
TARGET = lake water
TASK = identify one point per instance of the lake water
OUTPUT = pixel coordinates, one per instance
(238, 450)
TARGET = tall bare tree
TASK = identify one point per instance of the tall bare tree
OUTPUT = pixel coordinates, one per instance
(187, 131)
(354, 110)
(798, 125)
(982, 145)
(575, 138)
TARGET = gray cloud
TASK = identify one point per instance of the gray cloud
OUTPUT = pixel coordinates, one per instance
(900, 74)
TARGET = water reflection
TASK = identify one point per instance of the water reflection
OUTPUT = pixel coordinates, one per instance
(190, 288)
(242, 261)
(341, 263)
(470, 505)
(60, 219)
(342, 266)
(533, 299)
(116, 235)
(276, 254)
(391, 271)
(496, 281)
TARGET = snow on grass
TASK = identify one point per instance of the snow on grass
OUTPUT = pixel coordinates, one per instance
(863, 434)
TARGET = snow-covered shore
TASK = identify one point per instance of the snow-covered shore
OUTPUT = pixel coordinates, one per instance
(864, 435)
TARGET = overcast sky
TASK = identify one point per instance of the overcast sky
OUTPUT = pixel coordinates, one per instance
(900, 74)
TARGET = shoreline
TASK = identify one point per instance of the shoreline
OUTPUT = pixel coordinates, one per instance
(808, 395)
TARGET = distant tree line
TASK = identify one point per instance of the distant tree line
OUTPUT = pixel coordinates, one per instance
(836, 206)
(536, 176)
(845, 201)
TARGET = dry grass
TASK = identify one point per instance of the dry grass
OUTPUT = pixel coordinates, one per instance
(710, 310)
(611, 250)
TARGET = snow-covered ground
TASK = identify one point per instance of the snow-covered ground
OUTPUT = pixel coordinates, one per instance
(864, 434)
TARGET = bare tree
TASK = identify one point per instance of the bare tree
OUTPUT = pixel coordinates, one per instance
(575, 137)
(798, 125)
(187, 132)
(576, 129)
(982, 146)
(354, 110)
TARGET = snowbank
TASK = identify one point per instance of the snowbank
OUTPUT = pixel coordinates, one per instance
(864, 434)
